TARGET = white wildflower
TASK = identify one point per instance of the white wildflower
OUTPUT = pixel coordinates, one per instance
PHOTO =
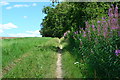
(76, 63)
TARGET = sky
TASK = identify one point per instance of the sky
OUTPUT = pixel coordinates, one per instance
(22, 19)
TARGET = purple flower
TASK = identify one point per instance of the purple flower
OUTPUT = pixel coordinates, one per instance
(110, 9)
(88, 31)
(114, 20)
(109, 23)
(114, 23)
(105, 34)
(84, 34)
(87, 25)
(93, 26)
(98, 21)
(104, 21)
(112, 5)
(110, 13)
(114, 27)
(116, 11)
(117, 52)
(99, 29)
(65, 34)
(76, 32)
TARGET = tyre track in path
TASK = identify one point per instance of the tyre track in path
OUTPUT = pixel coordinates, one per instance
(10, 66)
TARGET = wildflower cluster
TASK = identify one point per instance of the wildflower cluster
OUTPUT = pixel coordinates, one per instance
(98, 44)
(105, 27)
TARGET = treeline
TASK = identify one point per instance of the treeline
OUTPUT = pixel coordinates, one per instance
(71, 15)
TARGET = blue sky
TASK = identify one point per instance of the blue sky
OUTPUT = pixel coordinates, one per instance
(21, 19)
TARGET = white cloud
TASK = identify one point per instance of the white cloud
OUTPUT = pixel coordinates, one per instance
(33, 32)
(8, 26)
(9, 7)
(19, 5)
(23, 35)
(1, 31)
(24, 17)
(27, 34)
(34, 4)
(4, 3)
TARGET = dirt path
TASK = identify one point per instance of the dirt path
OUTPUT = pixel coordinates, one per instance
(59, 63)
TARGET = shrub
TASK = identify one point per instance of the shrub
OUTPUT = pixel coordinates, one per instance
(96, 45)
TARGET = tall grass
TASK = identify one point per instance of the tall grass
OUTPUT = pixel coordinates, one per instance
(70, 66)
(14, 48)
(96, 46)
(40, 64)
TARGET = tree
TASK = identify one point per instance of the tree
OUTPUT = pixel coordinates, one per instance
(67, 15)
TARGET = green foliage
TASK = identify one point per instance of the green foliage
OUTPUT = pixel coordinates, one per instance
(98, 54)
(66, 15)
(96, 46)
(97, 51)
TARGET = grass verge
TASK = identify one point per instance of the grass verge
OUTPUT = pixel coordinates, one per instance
(70, 66)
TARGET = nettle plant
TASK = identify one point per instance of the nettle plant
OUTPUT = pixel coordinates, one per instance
(98, 45)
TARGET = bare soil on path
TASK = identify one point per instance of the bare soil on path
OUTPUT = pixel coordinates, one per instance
(59, 63)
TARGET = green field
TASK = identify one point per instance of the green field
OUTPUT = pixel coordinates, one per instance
(37, 58)
(32, 57)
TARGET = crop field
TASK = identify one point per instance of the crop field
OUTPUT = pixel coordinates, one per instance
(29, 57)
